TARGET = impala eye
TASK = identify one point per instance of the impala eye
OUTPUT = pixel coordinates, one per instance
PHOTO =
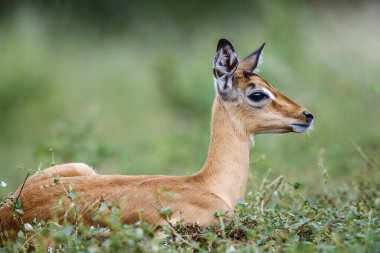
(258, 96)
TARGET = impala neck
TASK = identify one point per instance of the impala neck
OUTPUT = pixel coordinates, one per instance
(225, 172)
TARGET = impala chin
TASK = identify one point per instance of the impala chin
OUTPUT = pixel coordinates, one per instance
(301, 127)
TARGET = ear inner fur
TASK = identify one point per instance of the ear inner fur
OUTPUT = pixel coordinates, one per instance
(225, 64)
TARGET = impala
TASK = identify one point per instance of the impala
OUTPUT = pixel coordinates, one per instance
(245, 105)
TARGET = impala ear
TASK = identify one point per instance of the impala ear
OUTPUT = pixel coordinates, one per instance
(251, 62)
(225, 64)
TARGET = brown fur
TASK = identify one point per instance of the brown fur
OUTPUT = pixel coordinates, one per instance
(221, 182)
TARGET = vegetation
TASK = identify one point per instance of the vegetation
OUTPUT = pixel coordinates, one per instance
(127, 88)
(327, 221)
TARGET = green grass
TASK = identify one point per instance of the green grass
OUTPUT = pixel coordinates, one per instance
(270, 219)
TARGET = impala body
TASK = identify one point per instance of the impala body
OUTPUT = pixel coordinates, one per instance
(245, 105)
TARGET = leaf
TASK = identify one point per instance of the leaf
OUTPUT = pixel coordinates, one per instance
(18, 204)
(103, 207)
(167, 210)
(218, 214)
(71, 195)
(297, 185)
(19, 211)
(20, 234)
(28, 227)
(241, 203)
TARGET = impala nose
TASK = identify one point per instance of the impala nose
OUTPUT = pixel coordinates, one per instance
(309, 117)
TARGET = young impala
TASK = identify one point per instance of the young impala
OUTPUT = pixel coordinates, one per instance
(245, 105)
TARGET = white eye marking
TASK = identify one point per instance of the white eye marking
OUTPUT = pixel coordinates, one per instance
(270, 94)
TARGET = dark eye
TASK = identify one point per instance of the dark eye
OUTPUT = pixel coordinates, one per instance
(258, 96)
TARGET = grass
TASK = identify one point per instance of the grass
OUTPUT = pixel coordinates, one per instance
(275, 217)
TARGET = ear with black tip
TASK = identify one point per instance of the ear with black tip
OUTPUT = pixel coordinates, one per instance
(225, 64)
(251, 62)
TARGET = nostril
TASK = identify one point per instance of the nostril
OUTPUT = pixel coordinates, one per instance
(309, 117)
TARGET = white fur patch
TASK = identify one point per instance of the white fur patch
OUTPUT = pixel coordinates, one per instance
(223, 81)
(270, 94)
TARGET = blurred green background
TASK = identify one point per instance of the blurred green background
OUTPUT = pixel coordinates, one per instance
(126, 86)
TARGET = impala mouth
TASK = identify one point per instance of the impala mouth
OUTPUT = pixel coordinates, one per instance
(300, 127)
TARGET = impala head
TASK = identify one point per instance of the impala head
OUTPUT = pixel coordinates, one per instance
(251, 99)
